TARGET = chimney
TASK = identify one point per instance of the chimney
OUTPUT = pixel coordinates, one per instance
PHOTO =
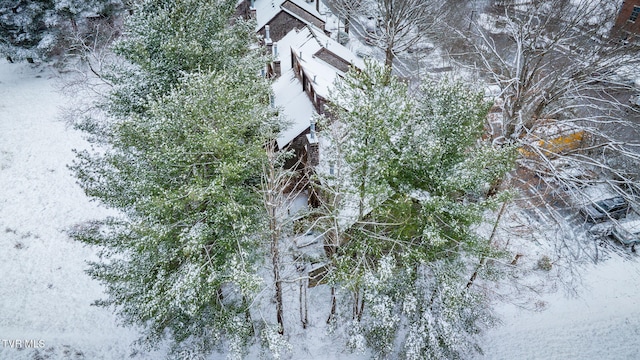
(267, 39)
(277, 68)
(267, 34)
(252, 10)
(314, 78)
(313, 153)
(318, 6)
(312, 128)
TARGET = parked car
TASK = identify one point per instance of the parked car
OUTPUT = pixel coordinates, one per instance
(628, 232)
(613, 207)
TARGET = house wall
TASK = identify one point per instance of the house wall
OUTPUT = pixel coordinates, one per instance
(299, 147)
(623, 22)
(281, 24)
(242, 10)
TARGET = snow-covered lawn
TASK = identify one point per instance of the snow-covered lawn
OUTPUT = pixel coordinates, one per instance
(45, 296)
(44, 293)
(602, 322)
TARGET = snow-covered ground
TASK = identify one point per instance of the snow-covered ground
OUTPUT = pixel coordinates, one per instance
(601, 322)
(45, 296)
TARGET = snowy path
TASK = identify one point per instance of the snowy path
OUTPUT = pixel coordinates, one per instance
(44, 293)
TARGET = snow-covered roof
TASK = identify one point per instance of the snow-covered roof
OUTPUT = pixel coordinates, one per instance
(323, 59)
(326, 60)
(284, 45)
(295, 106)
(268, 9)
(288, 93)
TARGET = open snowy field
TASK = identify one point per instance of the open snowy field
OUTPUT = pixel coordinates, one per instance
(45, 296)
(602, 322)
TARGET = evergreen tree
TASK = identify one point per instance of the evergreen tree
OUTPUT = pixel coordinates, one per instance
(182, 162)
(186, 178)
(427, 174)
(24, 27)
(38, 29)
(166, 39)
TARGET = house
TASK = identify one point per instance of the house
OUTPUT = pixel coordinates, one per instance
(628, 20)
(306, 64)
(276, 18)
(318, 61)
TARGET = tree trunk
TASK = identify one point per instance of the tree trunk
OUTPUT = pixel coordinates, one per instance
(272, 190)
(363, 185)
(483, 260)
(275, 259)
(332, 314)
(304, 315)
(388, 61)
(74, 24)
(358, 305)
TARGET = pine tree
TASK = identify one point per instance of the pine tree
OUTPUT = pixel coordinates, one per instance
(24, 27)
(39, 29)
(182, 163)
(417, 163)
(166, 39)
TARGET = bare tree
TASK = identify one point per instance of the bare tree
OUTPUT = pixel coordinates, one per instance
(393, 25)
(552, 59)
(562, 76)
(280, 187)
(559, 63)
(347, 9)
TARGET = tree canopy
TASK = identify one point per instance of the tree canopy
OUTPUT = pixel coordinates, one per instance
(183, 151)
(42, 28)
(421, 175)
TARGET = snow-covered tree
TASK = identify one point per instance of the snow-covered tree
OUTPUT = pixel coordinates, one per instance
(23, 25)
(280, 186)
(551, 57)
(179, 260)
(564, 75)
(427, 176)
(181, 159)
(370, 106)
(40, 29)
(393, 25)
(165, 39)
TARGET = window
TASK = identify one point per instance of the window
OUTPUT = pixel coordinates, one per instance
(635, 13)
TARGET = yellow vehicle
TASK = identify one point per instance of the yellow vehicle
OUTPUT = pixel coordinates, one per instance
(552, 138)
